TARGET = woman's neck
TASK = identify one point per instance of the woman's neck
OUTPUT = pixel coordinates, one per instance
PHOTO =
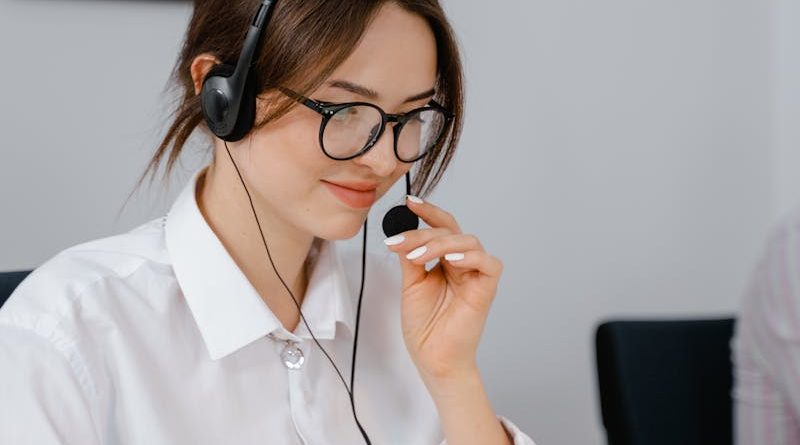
(225, 207)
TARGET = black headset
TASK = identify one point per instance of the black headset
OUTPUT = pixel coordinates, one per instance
(228, 96)
(228, 102)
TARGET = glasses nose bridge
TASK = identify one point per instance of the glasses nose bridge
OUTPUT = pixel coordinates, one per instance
(382, 161)
(387, 119)
(396, 120)
(393, 117)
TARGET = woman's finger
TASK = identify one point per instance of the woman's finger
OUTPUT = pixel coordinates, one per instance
(432, 215)
(442, 245)
(479, 260)
(407, 241)
(411, 239)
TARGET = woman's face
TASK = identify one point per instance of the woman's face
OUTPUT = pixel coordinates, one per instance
(285, 166)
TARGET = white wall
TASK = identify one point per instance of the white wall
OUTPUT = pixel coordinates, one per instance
(786, 106)
(622, 157)
(82, 111)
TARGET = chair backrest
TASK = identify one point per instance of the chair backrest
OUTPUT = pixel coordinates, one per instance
(9, 281)
(666, 382)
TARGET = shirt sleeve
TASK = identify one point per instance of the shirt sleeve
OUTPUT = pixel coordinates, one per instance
(766, 348)
(516, 435)
(41, 400)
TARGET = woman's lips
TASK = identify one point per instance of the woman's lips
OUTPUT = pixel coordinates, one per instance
(354, 198)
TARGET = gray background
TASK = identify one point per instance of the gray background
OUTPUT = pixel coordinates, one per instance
(622, 157)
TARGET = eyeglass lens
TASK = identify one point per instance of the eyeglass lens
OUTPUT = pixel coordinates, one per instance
(351, 129)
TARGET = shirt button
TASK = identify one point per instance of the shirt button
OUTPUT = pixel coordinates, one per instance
(292, 356)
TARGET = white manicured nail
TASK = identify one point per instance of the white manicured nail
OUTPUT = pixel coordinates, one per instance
(414, 199)
(394, 240)
(416, 253)
(454, 256)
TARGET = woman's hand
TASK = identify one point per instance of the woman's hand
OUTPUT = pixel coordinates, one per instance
(444, 309)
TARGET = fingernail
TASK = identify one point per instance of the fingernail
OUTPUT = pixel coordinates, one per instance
(416, 253)
(414, 199)
(454, 256)
(394, 240)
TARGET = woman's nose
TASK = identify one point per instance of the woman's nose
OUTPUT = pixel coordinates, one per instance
(380, 158)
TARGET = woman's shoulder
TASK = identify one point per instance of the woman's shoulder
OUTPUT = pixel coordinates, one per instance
(771, 303)
(60, 287)
(781, 252)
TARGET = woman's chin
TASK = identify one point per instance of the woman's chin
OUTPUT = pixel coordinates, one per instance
(342, 227)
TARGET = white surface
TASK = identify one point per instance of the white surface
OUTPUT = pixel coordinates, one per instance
(622, 158)
(786, 106)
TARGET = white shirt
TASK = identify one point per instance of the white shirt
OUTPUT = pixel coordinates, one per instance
(156, 337)
(766, 346)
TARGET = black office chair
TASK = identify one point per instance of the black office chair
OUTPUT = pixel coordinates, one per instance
(666, 382)
(9, 281)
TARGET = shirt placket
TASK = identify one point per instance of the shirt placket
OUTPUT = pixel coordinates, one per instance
(299, 390)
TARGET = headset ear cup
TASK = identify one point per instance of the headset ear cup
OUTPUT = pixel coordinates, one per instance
(212, 108)
(247, 111)
(245, 117)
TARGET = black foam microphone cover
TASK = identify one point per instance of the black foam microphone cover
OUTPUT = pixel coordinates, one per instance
(398, 220)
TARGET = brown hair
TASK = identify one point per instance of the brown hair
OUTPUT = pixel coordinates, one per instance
(302, 45)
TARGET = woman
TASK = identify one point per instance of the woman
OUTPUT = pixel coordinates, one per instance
(187, 330)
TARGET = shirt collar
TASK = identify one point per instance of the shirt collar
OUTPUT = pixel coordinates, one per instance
(227, 309)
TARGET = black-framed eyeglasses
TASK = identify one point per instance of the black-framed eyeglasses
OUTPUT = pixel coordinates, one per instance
(350, 129)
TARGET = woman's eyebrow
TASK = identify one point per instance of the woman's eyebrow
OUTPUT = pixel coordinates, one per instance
(372, 94)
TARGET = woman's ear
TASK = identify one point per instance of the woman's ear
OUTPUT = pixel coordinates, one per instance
(201, 65)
